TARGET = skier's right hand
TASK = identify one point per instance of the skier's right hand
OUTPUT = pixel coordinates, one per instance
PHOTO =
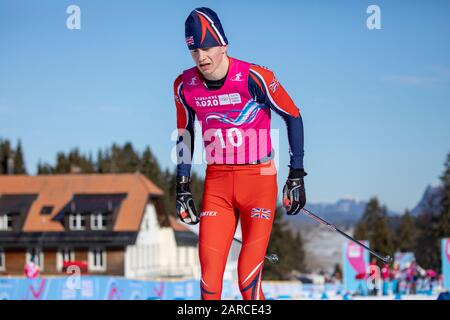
(185, 203)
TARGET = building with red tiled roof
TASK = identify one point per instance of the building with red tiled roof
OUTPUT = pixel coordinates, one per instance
(113, 224)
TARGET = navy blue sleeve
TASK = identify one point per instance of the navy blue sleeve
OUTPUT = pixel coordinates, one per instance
(260, 84)
(186, 133)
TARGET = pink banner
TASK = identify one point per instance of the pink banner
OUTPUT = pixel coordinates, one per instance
(355, 256)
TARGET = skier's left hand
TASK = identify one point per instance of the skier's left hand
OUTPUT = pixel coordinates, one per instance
(294, 196)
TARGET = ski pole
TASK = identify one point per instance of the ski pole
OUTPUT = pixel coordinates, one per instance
(273, 258)
(386, 259)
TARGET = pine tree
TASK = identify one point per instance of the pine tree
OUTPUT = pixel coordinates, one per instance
(99, 165)
(289, 249)
(115, 165)
(407, 233)
(2, 156)
(437, 227)
(129, 159)
(62, 164)
(88, 165)
(427, 246)
(168, 184)
(5, 155)
(150, 168)
(382, 238)
(104, 163)
(278, 244)
(19, 163)
(44, 168)
(361, 232)
(443, 223)
(121, 159)
(373, 226)
(299, 253)
(432, 228)
(74, 161)
(372, 212)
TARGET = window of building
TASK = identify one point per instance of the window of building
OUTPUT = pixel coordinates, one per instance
(6, 222)
(77, 221)
(2, 260)
(47, 210)
(97, 259)
(98, 221)
(64, 254)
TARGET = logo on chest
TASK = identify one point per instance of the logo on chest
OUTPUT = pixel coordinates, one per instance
(194, 81)
(237, 77)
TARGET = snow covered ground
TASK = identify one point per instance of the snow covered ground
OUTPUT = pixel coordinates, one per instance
(286, 290)
(403, 297)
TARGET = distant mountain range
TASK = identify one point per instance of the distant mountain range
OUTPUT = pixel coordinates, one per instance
(430, 202)
(323, 247)
(344, 212)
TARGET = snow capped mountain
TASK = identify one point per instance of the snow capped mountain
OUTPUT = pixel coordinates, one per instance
(343, 212)
(430, 202)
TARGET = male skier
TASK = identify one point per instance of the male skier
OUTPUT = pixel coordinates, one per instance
(233, 100)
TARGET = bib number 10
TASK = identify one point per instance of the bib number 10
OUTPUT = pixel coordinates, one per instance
(234, 136)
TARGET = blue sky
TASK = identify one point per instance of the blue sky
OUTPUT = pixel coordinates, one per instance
(375, 103)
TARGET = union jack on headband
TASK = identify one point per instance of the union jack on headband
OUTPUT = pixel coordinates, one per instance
(190, 41)
(260, 213)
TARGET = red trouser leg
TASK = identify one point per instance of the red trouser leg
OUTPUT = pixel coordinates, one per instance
(256, 196)
(247, 190)
(217, 227)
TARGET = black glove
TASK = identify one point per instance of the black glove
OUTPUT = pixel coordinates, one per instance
(185, 204)
(294, 197)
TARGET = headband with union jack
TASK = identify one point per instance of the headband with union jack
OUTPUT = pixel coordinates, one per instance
(204, 30)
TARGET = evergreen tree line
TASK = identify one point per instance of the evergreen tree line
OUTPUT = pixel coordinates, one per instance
(11, 160)
(420, 234)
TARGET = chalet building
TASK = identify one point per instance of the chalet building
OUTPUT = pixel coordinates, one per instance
(105, 224)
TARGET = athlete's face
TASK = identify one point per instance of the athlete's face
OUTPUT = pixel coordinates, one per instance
(212, 62)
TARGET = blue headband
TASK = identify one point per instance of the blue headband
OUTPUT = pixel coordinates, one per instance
(203, 29)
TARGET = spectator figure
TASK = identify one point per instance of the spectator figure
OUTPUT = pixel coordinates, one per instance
(374, 275)
(385, 274)
(31, 270)
(395, 278)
